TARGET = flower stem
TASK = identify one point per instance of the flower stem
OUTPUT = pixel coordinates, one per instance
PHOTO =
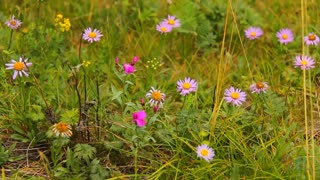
(306, 122)
(313, 164)
(37, 85)
(10, 40)
(136, 163)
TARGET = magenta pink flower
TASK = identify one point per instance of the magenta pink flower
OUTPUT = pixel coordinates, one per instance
(116, 60)
(139, 118)
(134, 60)
(128, 68)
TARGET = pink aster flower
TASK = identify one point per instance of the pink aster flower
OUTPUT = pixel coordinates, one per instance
(234, 96)
(128, 68)
(304, 62)
(19, 67)
(91, 35)
(163, 27)
(139, 118)
(253, 32)
(259, 87)
(285, 36)
(186, 86)
(205, 152)
(13, 23)
(172, 21)
(156, 97)
(311, 39)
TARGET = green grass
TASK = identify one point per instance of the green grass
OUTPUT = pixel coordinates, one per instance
(273, 135)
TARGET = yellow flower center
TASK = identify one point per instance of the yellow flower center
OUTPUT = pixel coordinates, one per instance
(156, 96)
(284, 36)
(62, 127)
(171, 21)
(235, 95)
(163, 29)
(304, 62)
(186, 85)
(253, 34)
(204, 152)
(92, 35)
(312, 37)
(259, 85)
(13, 23)
(18, 66)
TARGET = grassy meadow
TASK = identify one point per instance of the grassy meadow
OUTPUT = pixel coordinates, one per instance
(106, 89)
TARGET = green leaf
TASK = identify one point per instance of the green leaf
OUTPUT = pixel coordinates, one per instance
(17, 129)
(116, 94)
(70, 116)
(84, 151)
(186, 11)
(36, 113)
(20, 138)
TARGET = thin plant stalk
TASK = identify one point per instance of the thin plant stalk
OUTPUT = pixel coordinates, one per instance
(215, 109)
(184, 101)
(84, 75)
(303, 26)
(318, 111)
(10, 39)
(311, 107)
(313, 163)
(136, 163)
(77, 90)
(37, 85)
(136, 156)
(242, 46)
(97, 110)
(85, 87)
(306, 122)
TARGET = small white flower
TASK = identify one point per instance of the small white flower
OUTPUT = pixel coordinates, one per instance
(156, 97)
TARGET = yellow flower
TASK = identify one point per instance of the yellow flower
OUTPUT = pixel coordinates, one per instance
(203, 133)
(86, 63)
(59, 16)
(63, 23)
(25, 30)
